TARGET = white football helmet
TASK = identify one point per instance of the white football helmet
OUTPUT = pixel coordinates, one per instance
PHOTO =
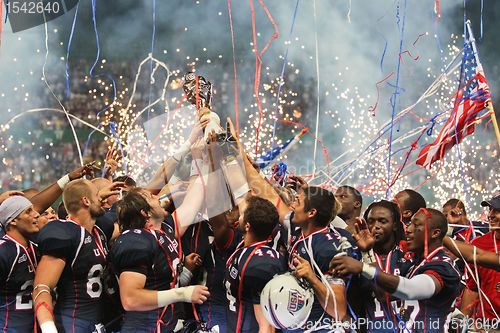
(285, 302)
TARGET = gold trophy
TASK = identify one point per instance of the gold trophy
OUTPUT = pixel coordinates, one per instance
(203, 95)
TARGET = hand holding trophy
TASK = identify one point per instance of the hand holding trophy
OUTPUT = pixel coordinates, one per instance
(201, 95)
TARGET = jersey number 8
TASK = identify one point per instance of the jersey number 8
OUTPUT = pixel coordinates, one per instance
(94, 283)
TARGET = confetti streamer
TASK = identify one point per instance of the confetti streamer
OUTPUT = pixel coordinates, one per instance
(282, 74)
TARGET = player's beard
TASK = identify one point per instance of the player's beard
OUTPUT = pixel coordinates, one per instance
(96, 210)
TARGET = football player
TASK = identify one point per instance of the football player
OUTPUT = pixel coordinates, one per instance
(432, 281)
(18, 262)
(74, 256)
(251, 266)
(146, 260)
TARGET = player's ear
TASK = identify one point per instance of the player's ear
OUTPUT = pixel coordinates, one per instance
(85, 201)
(312, 213)
(407, 213)
(357, 204)
(436, 233)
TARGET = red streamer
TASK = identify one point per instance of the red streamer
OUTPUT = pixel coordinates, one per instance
(373, 108)
(258, 64)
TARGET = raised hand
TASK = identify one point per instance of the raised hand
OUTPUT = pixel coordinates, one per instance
(113, 157)
(296, 183)
(86, 170)
(110, 190)
(363, 235)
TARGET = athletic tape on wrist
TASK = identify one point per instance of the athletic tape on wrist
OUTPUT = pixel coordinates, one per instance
(63, 181)
(183, 150)
(368, 271)
(176, 295)
(48, 327)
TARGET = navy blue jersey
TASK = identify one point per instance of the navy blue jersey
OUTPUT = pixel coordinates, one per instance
(430, 315)
(155, 255)
(214, 263)
(80, 287)
(17, 271)
(382, 313)
(247, 272)
(323, 244)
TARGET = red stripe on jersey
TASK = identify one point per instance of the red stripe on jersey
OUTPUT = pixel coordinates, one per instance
(436, 275)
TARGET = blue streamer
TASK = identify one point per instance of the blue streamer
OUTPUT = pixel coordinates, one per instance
(482, 6)
(69, 45)
(114, 88)
(6, 11)
(281, 76)
(393, 103)
(168, 194)
(150, 85)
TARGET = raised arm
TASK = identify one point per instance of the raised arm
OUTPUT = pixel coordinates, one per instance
(484, 258)
(190, 206)
(48, 196)
(258, 184)
(163, 174)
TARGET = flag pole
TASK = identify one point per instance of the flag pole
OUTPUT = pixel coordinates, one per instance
(495, 123)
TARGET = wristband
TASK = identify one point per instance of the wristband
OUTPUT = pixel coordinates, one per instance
(176, 295)
(48, 327)
(185, 276)
(196, 166)
(368, 257)
(368, 271)
(183, 150)
(63, 181)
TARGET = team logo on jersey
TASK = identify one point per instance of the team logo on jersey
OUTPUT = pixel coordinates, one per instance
(87, 240)
(234, 272)
(295, 301)
(137, 231)
(162, 240)
(22, 258)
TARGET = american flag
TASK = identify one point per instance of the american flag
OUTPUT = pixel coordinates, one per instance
(266, 159)
(472, 98)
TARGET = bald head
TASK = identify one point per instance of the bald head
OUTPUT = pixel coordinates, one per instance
(100, 183)
(74, 191)
(438, 221)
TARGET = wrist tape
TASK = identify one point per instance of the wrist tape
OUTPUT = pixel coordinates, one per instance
(176, 295)
(63, 181)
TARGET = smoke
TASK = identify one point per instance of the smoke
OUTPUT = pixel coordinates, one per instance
(359, 44)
